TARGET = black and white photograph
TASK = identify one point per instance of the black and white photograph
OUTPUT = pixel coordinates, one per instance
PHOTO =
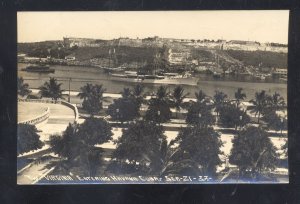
(152, 97)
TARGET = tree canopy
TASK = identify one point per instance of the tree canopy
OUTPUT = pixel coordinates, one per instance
(66, 145)
(275, 102)
(77, 143)
(260, 103)
(200, 113)
(23, 88)
(159, 107)
(201, 145)
(177, 98)
(219, 100)
(28, 139)
(232, 116)
(141, 142)
(239, 95)
(51, 89)
(201, 96)
(253, 151)
(273, 121)
(93, 98)
(95, 131)
(125, 108)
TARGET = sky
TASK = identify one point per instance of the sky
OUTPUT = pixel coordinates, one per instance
(261, 26)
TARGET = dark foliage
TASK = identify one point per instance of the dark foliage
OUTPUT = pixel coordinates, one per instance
(177, 98)
(239, 95)
(125, 108)
(273, 121)
(28, 139)
(141, 144)
(92, 96)
(254, 58)
(77, 144)
(200, 113)
(159, 107)
(260, 103)
(23, 88)
(232, 116)
(253, 152)
(201, 145)
(66, 145)
(219, 100)
(51, 89)
(95, 131)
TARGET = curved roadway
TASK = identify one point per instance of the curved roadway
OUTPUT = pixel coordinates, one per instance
(60, 117)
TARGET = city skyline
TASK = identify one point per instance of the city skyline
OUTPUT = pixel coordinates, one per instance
(261, 26)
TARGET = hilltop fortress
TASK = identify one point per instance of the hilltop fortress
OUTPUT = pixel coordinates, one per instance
(177, 43)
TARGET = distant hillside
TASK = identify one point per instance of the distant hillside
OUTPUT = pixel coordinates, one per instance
(44, 49)
(202, 55)
(268, 59)
(123, 54)
(128, 54)
(28, 47)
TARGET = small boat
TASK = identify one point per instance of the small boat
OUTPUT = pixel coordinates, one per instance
(39, 69)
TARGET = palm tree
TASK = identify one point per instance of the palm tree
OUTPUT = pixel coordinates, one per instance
(201, 145)
(85, 91)
(137, 93)
(23, 89)
(93, 98)
(51, 89)
(260, 103)
(138, 90)
(126, 93)
(162, 94)
(219, 100)
(200, 96)
(170, 161)
(276, 101)
(239, 95)
(159, 106)
(178, 97)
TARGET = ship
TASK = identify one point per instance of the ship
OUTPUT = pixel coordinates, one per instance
(167, 78)
(39, 69)
(154, 77)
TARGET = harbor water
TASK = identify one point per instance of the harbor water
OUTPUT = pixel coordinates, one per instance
(78, 76)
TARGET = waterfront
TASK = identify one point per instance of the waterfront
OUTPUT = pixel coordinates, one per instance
(81, 75)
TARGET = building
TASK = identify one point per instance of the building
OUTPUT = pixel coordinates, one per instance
(129, 42)
(70, 57)
(178, 57)
(80, 42)
(280, 73)
(241, 45)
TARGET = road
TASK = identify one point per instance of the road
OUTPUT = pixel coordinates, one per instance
(60, 117)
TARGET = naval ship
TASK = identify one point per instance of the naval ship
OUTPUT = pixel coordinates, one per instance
(166, 78)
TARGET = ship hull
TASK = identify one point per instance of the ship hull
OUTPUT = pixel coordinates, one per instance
(191, 81)
(39, 71)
